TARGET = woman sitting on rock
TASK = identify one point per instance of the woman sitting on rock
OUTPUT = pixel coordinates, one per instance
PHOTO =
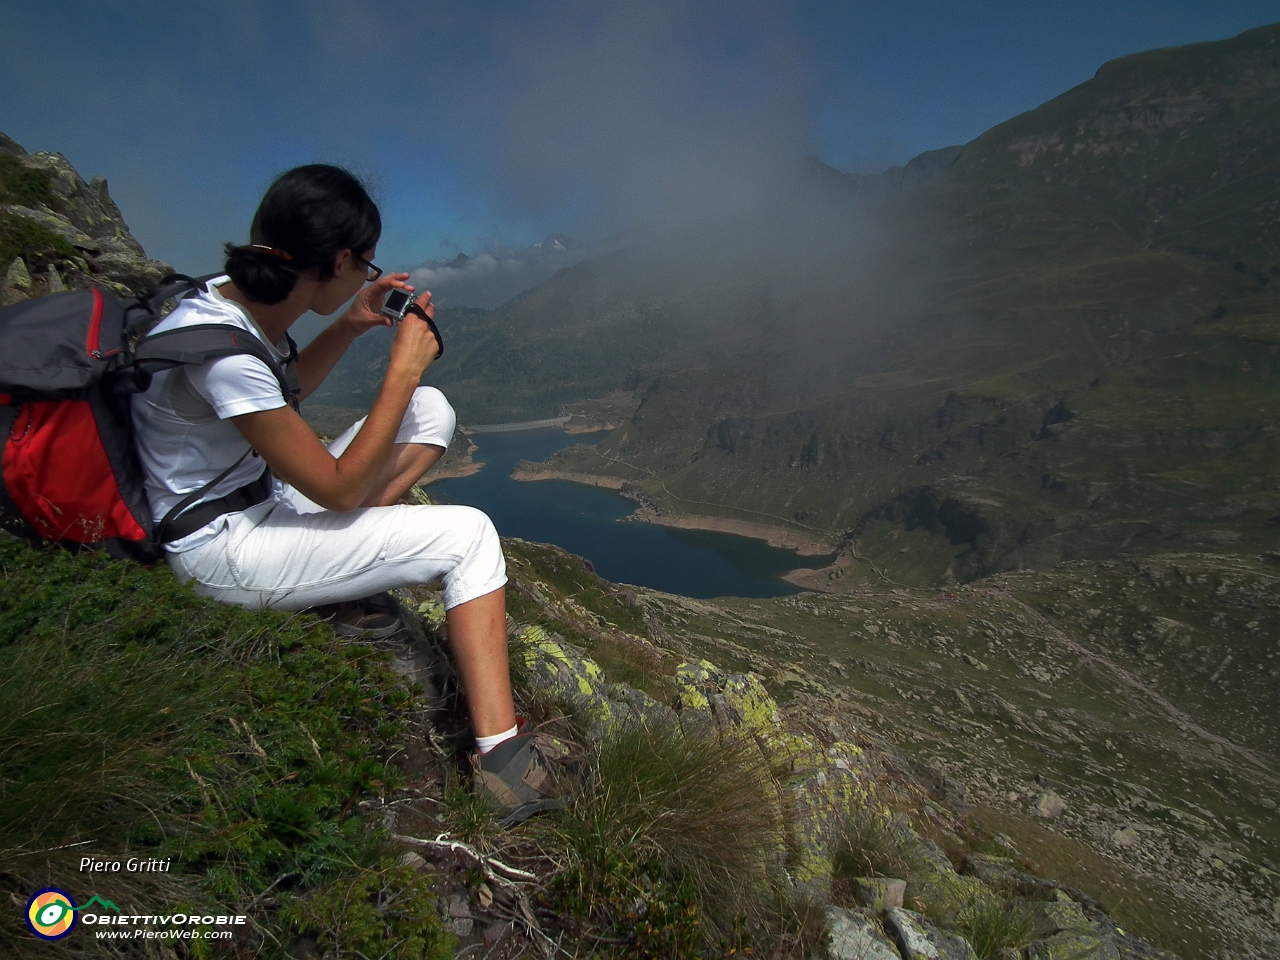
(321, 527)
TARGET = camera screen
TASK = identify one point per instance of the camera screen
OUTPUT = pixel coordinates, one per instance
(396, 300)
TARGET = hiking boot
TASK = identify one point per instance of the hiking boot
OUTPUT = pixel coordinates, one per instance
(373, 618)
(524, 775)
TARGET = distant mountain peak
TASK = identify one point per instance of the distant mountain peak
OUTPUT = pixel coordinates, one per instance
(556, 242)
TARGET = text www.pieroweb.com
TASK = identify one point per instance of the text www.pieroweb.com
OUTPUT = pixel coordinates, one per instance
(171, 934)
(172, 927)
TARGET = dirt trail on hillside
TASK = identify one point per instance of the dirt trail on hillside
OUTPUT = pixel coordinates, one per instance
(1136, 684)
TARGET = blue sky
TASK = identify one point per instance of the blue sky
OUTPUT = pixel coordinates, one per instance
(491, 123)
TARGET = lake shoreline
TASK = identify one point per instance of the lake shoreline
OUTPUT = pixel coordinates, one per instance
(581, 515)
(525, 475)
(453, 467)
(784, 538)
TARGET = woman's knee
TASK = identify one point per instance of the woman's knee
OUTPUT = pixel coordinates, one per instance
(485, 533)
(430, 406)
(482, 567)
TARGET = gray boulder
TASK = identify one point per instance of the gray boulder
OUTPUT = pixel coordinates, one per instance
(1061, 914)
(918, 939)
(17, 275)
(1001, 873)
(1050, 806)
(1084, 945)
(851, 936)
(1063, 932)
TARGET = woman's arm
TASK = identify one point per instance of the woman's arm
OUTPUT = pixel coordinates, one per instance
(296, 456)
(320, 356)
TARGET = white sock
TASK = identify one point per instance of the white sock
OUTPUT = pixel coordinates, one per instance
(485, 744)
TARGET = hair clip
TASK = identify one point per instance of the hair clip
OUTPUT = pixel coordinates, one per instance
(275, 252)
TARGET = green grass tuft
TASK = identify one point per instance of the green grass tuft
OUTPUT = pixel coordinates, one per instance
(35, 243)
(872, 846)
(23, 185)
(469, 818)
(992, 926)
(672, 841)
(387, 913)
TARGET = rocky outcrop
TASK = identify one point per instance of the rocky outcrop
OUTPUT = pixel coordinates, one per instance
(59, 232)
(821, 785)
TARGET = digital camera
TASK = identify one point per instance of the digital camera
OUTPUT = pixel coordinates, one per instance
(397, 304)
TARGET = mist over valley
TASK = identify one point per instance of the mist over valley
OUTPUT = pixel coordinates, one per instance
(1056, 342)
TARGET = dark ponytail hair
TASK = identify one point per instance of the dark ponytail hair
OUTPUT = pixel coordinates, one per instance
(307, 217)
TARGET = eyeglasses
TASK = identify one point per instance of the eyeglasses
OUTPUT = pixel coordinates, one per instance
(374, 271)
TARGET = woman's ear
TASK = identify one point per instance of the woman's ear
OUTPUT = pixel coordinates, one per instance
(343, 261)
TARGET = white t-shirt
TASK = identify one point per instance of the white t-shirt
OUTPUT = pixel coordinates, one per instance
(180, 423)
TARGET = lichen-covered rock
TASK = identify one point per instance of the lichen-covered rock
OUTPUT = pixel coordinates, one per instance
(1058, 915)
(823, 784)
(93, 244)
(55, 223)
(1063, 932)
(17, 275)
(642, 706)
(1074, 945)
(133, 273)
(88, 205)
(918, 939)
(53, 280)
(935, 882)
(558, 669)
(851, 936)
(1002, 873)
(17, 283)
(737, 701)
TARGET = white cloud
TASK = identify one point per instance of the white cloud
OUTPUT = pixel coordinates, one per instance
(492, 277)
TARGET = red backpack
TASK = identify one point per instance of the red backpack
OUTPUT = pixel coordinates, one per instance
(68, 363)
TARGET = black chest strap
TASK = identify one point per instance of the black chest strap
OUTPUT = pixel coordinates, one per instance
(182, 522)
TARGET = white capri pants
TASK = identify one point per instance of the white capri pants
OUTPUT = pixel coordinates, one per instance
(289, 553)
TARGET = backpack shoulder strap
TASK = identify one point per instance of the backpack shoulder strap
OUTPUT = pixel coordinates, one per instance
(161, 532)
(142, 313)
(202, 342)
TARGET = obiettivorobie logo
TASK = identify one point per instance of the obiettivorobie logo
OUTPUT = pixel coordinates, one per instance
(52, 914)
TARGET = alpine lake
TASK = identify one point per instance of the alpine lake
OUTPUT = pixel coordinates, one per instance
(590, 522)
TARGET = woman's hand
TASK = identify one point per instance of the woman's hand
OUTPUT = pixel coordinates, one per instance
(365, 311)
(415, 346)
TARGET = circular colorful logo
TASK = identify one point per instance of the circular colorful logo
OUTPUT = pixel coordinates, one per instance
(51, 913)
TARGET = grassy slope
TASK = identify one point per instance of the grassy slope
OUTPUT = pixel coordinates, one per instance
(137, 719)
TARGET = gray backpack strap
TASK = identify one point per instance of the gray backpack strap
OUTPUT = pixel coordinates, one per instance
(201, 342)
(164, 533)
